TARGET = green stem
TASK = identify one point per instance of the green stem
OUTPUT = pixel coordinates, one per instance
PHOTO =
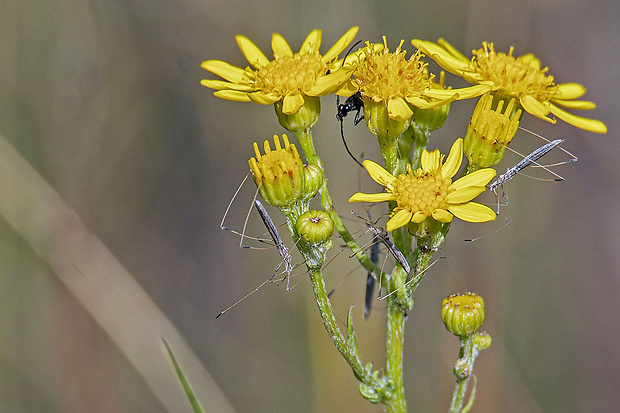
(395, 340)
(458, 397)
(318, 286)
(462, 370)
(304, 138)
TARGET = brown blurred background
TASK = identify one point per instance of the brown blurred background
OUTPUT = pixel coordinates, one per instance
(102, 99)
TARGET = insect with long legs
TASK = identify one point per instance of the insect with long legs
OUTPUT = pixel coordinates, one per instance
(353, 103)
(384, 238)
(271, 228)
(524, 163)
(282, 250)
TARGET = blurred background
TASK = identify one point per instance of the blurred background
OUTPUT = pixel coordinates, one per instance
(116, 167)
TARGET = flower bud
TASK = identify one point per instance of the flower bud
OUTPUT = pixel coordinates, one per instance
(379, 122)
(304, 119)
(428, 120)
(315, 227)
(482, 341)
(490, 131)
(279, 173)
(313, 180)
(463, 314)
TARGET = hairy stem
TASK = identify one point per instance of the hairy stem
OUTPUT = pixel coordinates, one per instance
(318, 286)
(307, 145)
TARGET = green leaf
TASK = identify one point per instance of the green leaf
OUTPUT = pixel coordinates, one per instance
(351, 338)
(189, 392)
(472, 396)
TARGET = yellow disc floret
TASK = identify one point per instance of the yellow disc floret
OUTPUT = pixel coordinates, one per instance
(291, 74)
(422, 192)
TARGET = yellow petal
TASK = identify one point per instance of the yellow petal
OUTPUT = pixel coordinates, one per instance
(399, 110)
(222, 85)
(441, 94)
(225, 70)
(382, 197)
(262, 98)
(591, 125)
(280, 47)
(329, 83)
(419, 102)
(443, 57)
(251, 52)
(575, 104)
(429, 161)
(569, 91)
(379, 174)
(292, 103)
(455, 158)
(464, 194)
(340, 45)
(399, 219)
(451, 49)
(472, 91)
(442, 215)
(418, 217)
(347, 89)
(472, 212)
(312, 42)
(534, 107)
(479, 178)
(232, 95)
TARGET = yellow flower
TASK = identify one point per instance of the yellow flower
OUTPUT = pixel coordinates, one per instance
(397, 82)
(289, 77)
(429, 190)
(519, 77)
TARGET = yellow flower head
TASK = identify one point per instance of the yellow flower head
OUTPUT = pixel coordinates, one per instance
(515, 77)
(391, 78)
(428, 192)
(289, 77)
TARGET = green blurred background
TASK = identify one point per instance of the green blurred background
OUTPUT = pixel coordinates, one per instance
(102, 99)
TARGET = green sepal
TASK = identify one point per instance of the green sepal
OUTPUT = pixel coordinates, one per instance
(187, 388)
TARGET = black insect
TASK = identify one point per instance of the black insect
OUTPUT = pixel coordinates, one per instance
(354, 103)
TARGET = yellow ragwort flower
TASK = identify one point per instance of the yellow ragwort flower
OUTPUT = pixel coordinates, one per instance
(519, 77)
(429, 190)
(288, 77)
(389, 77)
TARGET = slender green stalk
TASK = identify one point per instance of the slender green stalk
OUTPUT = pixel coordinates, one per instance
(395, 340)
(307, 145)
(458, 397)
(325, 309)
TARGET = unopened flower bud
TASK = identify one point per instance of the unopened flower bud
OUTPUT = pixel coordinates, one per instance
(315, 227)
(491, 128)
(313, 180)
(463, 314)
(302, 120)
(482, 341)
(279, 173)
